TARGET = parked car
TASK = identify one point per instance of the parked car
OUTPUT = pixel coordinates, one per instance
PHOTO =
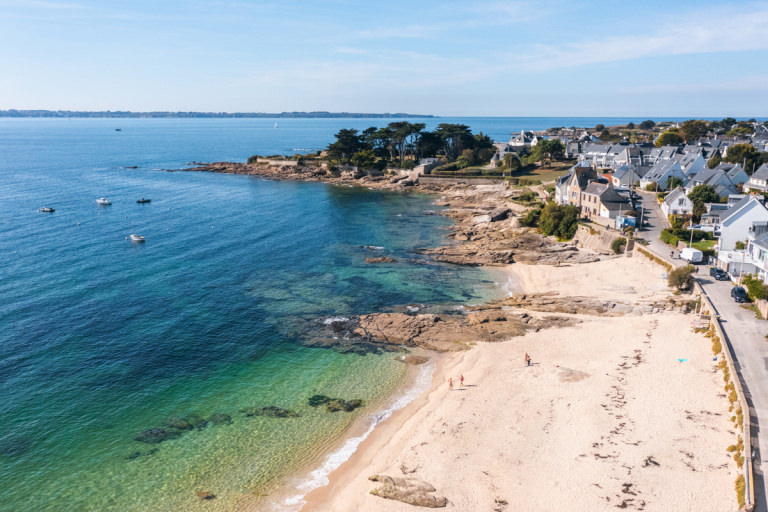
(718, 274)
(739, 294)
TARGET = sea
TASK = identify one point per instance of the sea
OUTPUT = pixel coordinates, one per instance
(181, 339)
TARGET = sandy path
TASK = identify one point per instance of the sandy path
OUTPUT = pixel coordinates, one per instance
(607, 417)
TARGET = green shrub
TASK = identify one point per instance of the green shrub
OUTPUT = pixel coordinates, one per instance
(531, 218)
(618, 245)
(681, 277)
(755, 287)
(253, 159)
(559, 220)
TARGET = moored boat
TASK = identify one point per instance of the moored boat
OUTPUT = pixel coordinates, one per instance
(103, 201)
(46, 209)
(136, 238)
(143, 200)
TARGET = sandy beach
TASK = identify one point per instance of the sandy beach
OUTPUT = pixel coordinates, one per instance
(615, 412)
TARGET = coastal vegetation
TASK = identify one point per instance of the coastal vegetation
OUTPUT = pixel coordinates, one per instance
(559, 220)
(403, 144)
(681, 278)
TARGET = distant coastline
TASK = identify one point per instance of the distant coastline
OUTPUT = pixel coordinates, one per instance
(168, 114)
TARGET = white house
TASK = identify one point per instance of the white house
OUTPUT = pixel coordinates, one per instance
(716, 179)
(677, 203)
(759, 179)
(735, 223)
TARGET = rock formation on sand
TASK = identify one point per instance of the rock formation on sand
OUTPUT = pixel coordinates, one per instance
(408, 490)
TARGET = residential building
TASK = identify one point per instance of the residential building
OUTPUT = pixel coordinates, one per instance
(662, 174)
(677, 203)
(600, 201)
(569, 187)
(759, 180)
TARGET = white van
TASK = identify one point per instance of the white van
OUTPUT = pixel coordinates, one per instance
(691, 255)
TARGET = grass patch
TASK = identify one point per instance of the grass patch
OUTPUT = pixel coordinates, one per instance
(754, 309)
(741, 488)
(541, 174)
(704, 245)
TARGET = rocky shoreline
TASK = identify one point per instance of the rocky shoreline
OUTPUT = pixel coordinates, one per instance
(487, 232)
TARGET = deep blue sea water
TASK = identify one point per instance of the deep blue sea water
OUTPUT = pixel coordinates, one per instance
(101, 338)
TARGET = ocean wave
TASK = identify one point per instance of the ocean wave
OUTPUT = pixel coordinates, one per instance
(334, 319)
(319, 477)
(372, 247)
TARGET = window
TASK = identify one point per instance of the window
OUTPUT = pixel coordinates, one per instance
(681, 202)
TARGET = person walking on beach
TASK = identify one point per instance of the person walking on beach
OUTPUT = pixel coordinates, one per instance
(461, 380)
(450, 383)
(527, 359)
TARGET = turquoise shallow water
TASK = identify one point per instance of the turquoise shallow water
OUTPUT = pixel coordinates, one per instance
(101, 338)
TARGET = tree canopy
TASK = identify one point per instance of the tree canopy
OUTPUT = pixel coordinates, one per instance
(647, 125)
(694, 129)
(702, 194)
(668, 138)
(548, 149)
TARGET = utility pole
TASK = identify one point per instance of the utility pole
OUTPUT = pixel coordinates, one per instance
(741, 269)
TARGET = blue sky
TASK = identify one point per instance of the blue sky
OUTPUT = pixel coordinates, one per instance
(499, 58)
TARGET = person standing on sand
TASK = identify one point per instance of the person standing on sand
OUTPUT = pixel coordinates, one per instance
(461, 380)
(450, 383)
(527, 359)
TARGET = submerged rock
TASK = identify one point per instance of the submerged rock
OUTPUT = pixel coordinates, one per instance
(205, 495)
(270, 412)
(197, 421)
(179, 423)
(220, 419)
(157, 435)
(317, 400)
(383, 259)
(335, 404)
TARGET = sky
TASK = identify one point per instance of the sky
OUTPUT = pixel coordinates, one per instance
(449, 58)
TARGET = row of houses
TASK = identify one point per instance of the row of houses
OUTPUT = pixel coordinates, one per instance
(726, 180)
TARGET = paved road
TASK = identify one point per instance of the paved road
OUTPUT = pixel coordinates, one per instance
(747, 337)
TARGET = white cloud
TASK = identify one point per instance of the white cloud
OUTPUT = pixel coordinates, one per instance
(705, 32)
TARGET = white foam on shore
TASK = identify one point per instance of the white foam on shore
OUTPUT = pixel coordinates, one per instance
(331, 320)
(319, 477)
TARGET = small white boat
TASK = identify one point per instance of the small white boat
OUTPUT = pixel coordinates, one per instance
(46, 209)
(103, 201)
(137, 238)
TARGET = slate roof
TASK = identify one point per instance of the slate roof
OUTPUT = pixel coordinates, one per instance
(674, 195)
(761, 173)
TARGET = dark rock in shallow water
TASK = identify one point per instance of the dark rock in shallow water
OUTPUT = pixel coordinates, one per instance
(270, 412)
(220, 419)
(157, 435)
(205, 495)
(316, 400)
(197, 421)
(178, 423)
(335, 404)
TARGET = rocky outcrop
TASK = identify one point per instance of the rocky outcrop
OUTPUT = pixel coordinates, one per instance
(574, 305)
(440, 332)
(407, 490)
(382, 259)
(503, 248)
